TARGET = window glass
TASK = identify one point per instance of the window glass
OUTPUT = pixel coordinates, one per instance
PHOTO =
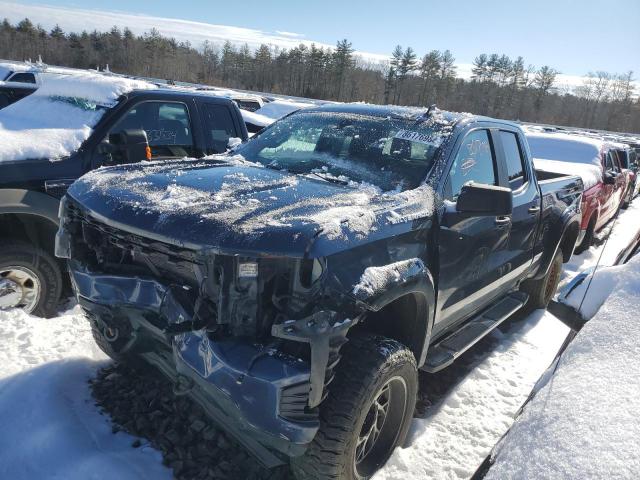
(473, 163)
(393, 152)
(166, 124)
(513, 157)
(23, 78)
(219, 127)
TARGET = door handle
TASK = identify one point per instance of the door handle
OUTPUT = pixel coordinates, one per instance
(502, 220)
(534, 210)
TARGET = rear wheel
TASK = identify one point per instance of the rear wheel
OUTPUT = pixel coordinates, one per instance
(30, 279)
(587, 241)
(542, 291)
(366, 414)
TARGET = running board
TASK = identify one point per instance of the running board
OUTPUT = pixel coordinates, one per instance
(443, 353)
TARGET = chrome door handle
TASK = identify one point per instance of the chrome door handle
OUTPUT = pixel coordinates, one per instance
(533, 210)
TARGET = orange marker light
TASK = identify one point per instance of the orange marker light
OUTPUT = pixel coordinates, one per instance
(148, 151)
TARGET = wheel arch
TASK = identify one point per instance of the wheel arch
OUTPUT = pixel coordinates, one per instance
(404, 313)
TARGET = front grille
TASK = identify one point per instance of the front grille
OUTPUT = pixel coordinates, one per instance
(119, 251)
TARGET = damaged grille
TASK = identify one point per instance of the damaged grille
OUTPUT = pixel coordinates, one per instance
(118, 251)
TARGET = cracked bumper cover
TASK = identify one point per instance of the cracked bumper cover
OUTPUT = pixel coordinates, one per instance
(238, 382)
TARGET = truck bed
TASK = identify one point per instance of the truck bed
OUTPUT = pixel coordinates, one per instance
(551, 182)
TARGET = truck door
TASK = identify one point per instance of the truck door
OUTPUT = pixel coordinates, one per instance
(167, 124)
(471, 248)
(526, 205)
(219, 126)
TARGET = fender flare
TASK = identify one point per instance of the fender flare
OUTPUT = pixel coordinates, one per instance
(412, 278)
(29, 202)
(571, 227)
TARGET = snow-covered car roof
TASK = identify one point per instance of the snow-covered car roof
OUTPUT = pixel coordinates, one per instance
(55, 120)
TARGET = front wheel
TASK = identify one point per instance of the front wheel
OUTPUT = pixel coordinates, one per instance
(30, 278)
(366, 414)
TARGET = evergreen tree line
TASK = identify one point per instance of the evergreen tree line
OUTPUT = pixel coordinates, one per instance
(499, 86)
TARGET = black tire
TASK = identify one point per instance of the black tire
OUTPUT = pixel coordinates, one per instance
(542, 291)
(45, 268)
(370, 365)
(627, 198)
(587, 241)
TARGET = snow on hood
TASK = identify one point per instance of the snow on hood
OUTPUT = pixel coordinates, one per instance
(279, 108)
(256, 118)
(226, 201)
(54, 121)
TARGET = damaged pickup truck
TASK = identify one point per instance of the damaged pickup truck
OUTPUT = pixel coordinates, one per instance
(295, 286)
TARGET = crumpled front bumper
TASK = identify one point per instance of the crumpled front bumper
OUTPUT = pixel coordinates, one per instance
(242, 385)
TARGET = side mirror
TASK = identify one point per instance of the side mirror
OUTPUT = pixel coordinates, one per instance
(485, 200)
(610, 177)
(129, 146)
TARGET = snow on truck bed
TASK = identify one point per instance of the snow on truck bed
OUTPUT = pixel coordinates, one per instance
(583, 423)
(55, 120)
(567, 154)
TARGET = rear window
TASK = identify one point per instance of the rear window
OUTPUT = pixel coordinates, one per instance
(23, 78)
(513, 156)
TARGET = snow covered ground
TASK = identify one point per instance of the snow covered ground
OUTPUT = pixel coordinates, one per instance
(583, 422)
(52, 429)
(50, 426)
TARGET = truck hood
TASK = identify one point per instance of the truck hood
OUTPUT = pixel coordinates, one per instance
(240, 207)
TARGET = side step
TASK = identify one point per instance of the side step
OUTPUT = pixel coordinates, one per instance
(443, 353)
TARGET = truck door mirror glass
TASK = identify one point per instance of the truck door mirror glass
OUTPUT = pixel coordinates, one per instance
(129, 146)
(485, 200)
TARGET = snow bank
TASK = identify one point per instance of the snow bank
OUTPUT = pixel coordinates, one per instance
(50, 426)
(570, 154)
(626, 229)
(54, 121)
(583, 423)
(474, 401)
(279, 108)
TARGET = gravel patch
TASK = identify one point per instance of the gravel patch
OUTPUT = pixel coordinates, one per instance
(142, 403)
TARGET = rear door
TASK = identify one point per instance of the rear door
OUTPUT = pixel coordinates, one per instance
(219, 125)
(519, 176)
(471, 248)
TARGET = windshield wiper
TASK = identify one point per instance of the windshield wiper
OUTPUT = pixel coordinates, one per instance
(328, 178)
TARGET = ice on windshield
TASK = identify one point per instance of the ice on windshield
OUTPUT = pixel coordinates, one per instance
(388, 152)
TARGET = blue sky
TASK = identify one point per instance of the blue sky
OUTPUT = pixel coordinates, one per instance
(572, 36)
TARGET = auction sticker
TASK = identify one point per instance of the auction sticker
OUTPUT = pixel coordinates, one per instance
(414, 136)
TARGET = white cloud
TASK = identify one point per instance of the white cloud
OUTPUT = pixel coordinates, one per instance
(290, 34)
(78, 19)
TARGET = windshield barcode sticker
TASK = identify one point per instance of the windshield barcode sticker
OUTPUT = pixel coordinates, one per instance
(414, 137)
(248, 270)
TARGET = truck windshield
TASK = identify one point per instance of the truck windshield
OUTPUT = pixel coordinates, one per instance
(390, 153)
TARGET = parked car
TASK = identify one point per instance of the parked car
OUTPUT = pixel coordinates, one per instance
(295, 287)
(174, 124)
(16, 82)
(628, 160)
(596, 162)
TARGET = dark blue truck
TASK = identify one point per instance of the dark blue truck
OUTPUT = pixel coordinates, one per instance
(295, 286)
(174, 123)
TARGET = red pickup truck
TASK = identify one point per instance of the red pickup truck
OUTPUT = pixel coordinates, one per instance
(596, 161)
